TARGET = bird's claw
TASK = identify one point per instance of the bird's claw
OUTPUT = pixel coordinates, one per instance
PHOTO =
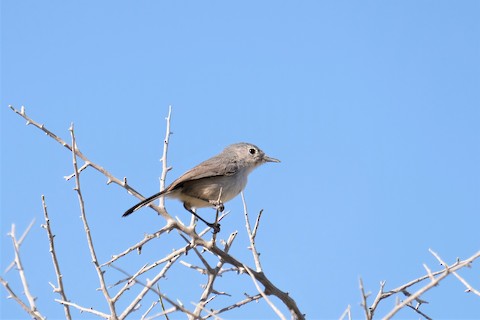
(215, 227)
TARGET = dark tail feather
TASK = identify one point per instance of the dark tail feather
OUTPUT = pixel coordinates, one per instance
(143, 203)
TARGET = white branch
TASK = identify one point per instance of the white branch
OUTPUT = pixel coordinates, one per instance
(101, 279)
(59, 289)
(20, 241)
(21, 271)
(165, 168)
(83, 309)
(274, 308)
(251, 236)
(35, 314)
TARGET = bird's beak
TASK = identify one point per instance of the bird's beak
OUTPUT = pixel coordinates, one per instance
(268, 159)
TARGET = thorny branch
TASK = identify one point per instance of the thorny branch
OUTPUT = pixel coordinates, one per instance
(21, 272)
(20, 241)
(88, 233)
(31, 308)
(194, 241)
(434, 279)
(59, 288)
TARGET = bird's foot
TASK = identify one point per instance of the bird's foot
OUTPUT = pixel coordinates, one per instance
(215, 226)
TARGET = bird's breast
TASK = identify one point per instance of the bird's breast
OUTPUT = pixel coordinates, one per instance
(224, 188)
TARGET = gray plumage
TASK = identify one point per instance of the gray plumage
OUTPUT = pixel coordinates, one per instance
(226, 172)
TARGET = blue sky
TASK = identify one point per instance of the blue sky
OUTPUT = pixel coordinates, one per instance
(372, 106)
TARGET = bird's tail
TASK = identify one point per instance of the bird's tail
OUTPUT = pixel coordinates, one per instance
(143, 203)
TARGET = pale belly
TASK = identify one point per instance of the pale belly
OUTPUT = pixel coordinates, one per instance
(204, 192)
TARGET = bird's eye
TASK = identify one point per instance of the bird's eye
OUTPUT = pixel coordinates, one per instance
(252, 151)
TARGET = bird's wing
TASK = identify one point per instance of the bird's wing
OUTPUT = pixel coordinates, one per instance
(210, 168)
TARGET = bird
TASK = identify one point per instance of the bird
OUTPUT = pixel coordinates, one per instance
(214, 181)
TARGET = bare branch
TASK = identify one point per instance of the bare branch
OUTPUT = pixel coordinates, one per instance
(466, 284)
(202, 308)
(85, 166)
(212, 276)
(165, 168)
(59, 289)
(168, 227)
(347, 313)
(20, 241)
(110, 177)
(274, 308)
(239, 304)
(149, 286)
(256, 255)
(257, 223)
(34, 314)
(83, 309)
(442, 275)
(368, 314)
(463, 281)
(128, 284)
(194, 240)
(103, 286)
(191, 266)
(419, 312)
(21, 272)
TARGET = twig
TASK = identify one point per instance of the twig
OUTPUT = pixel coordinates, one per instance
(419, 312)
(466, 284)
(448, 270)
(368, 314)
(101, 279)
(463, 281)
(129, 283)
(160, 298)
(346, 313)
(196, 268)
(34, 314)
(274, 308)
(20, 241)
(110, 178)
(196, 239)
(174, 254)
(59, 289)
(83, 309)
(165, 168)
(260, 276)
(238, 304)
(21, 273)
(139, 244)
(256, 255)
(144, 315)
(85, 166)
(148, 286)
(383, 295)
(165, 313)
(209, 312)
(212, 276)
(257, 223)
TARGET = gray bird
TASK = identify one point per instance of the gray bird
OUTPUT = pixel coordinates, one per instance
(214, 181)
